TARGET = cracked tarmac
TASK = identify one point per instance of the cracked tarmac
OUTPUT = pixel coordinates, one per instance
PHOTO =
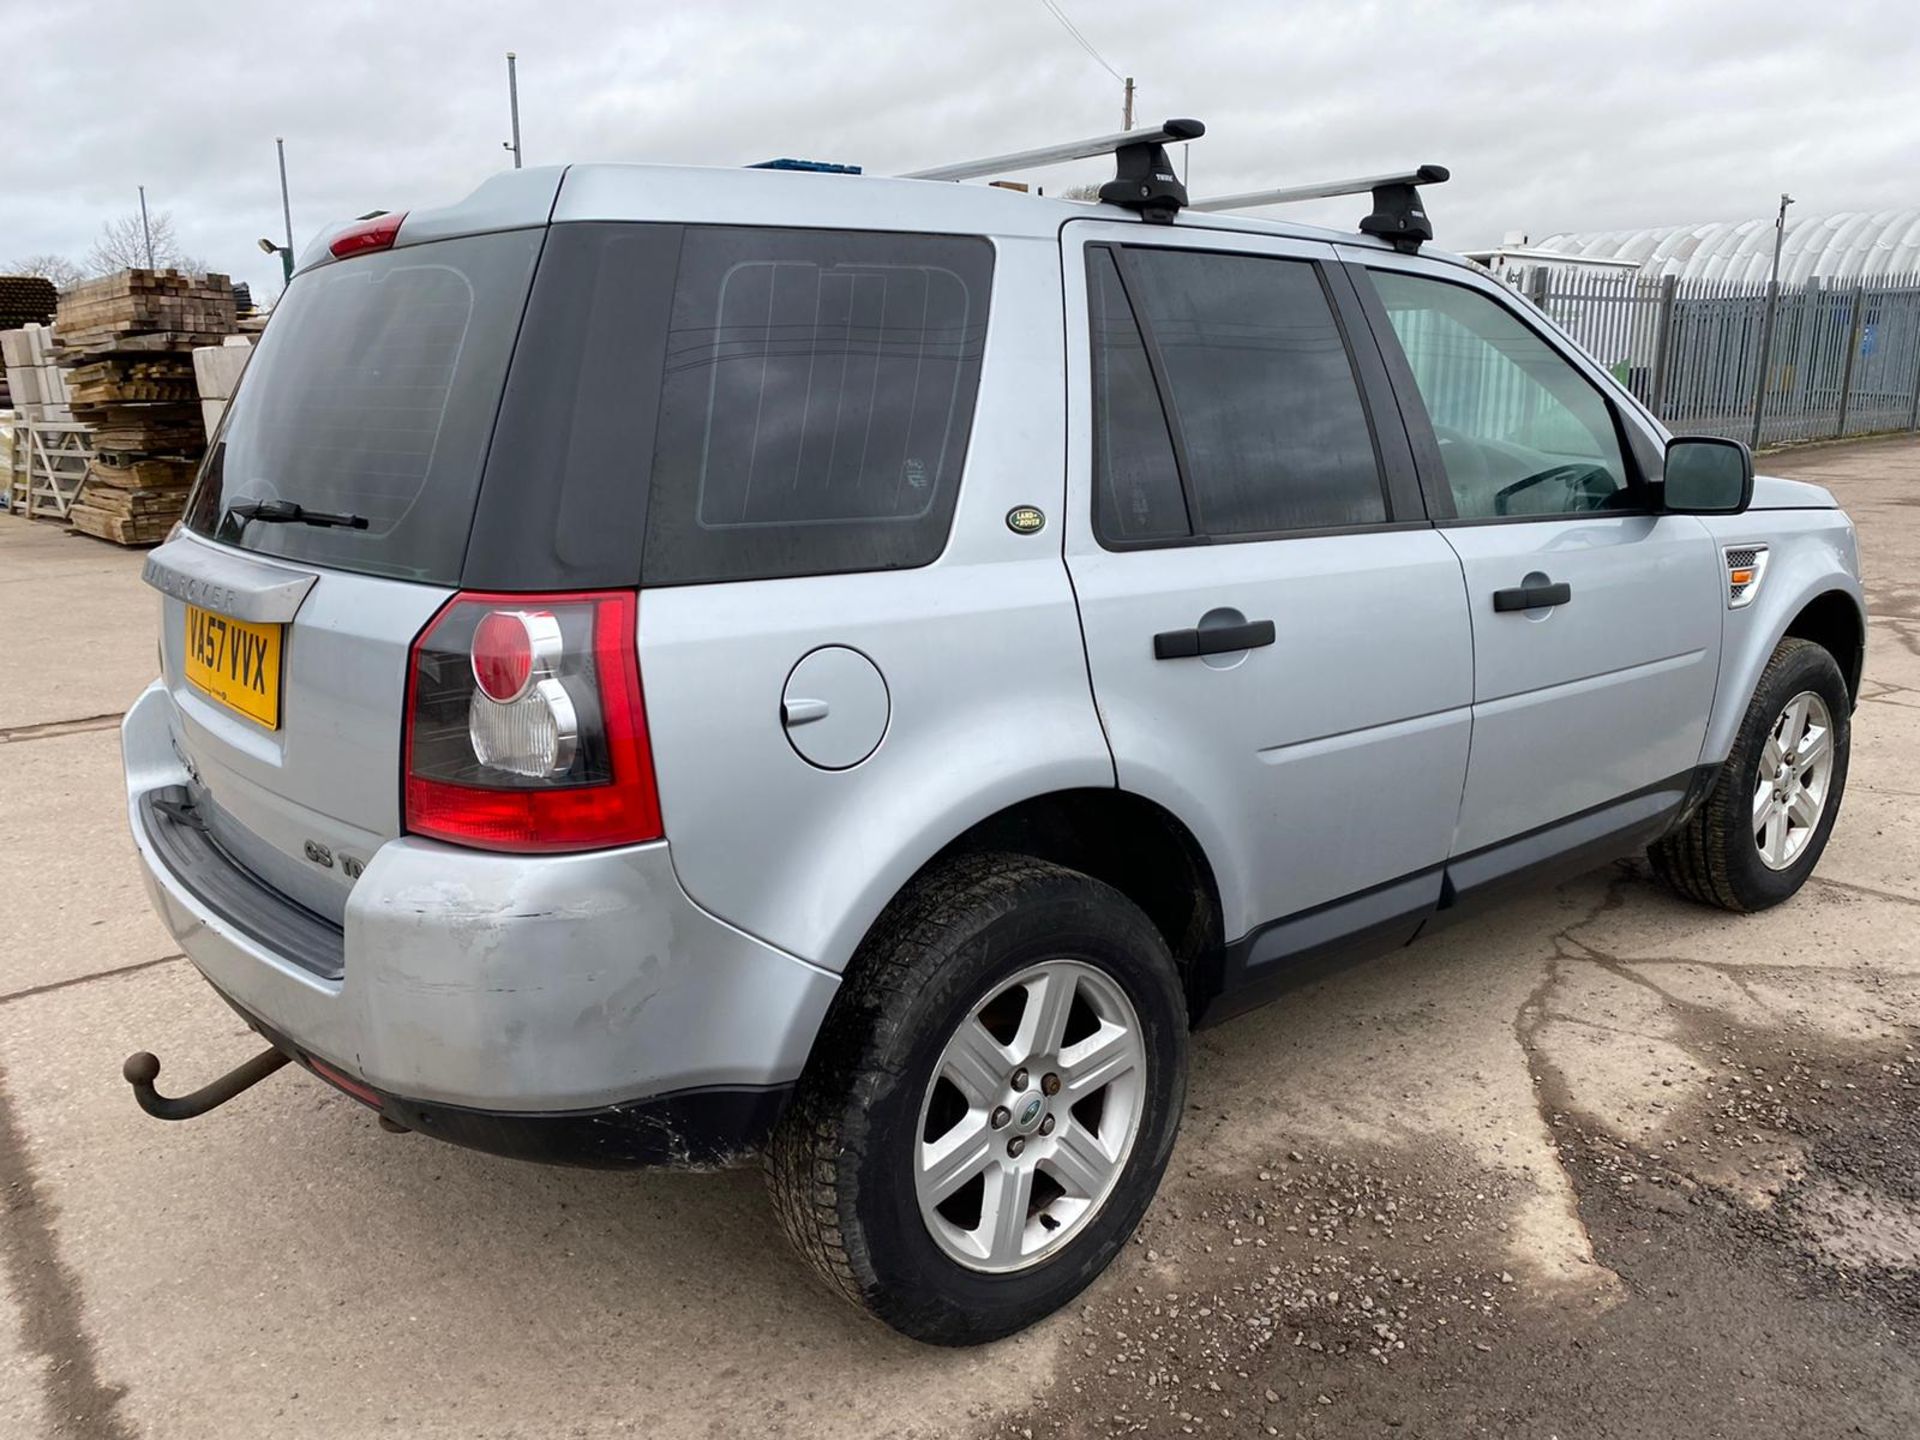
(1598, 1163)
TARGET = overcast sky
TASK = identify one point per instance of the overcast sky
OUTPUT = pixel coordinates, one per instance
(1553, 116)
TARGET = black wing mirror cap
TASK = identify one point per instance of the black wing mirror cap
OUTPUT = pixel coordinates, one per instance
(1706, 475)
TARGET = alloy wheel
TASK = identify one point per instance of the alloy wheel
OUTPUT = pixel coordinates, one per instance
(1795, 774)
(1030, 1116)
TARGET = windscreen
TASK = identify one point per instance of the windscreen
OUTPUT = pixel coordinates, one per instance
(369, 404)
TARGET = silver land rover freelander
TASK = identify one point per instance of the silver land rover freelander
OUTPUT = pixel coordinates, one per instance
(662, 665)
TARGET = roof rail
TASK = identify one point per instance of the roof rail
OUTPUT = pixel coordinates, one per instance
(1144, 179)
(1398, 216)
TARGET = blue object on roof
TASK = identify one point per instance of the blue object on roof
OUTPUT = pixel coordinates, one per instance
(824, 167)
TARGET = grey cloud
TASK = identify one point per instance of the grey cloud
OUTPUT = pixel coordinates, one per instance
(1553, 116)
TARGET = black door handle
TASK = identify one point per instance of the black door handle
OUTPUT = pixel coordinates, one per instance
(1214, 640)
(1532, 597)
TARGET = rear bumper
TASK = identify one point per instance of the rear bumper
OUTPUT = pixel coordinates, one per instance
(476, 991)
(687, 1128)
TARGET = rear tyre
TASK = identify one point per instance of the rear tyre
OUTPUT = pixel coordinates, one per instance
(1757, 836)
(990, 1104)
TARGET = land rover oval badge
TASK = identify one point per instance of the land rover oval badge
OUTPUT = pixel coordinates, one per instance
(1025, 519)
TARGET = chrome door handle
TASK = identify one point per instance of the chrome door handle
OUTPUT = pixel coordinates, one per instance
(802, 712)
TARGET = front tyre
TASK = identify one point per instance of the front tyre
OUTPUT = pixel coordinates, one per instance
(1757, 837)
(991, 1102)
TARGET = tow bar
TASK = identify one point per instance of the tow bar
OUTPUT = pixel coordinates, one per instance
(142, 1069)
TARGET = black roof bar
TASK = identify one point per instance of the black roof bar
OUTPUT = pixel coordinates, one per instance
(1398, 216)
(1144, 179)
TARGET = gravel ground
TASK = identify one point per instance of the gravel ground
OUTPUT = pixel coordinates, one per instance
(1765, 1251)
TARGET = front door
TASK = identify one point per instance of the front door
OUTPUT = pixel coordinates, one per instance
(1596, 620)
(1278, 638)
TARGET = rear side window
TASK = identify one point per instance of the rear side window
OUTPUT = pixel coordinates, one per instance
(819, 389)
(1274, 436)
(372, 395)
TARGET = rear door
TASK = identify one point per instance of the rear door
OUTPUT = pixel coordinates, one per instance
(1596, 620)
(1278, 638)
(368, 404)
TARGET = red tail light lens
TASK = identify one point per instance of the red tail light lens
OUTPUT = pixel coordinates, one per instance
(526, 726)
(378, 233)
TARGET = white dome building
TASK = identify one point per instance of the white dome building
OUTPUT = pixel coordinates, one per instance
(1830, 248)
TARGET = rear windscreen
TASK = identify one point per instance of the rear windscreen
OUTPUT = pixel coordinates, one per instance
(370, 401)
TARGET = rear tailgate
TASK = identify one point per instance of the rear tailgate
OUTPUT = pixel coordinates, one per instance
(369, 405)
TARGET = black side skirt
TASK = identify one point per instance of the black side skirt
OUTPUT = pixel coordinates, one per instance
(1286, 953)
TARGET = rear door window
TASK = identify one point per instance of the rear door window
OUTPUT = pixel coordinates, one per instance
(1270, 428)
(372, 395)
(819, 388)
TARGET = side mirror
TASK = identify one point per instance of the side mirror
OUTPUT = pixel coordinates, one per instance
(1706, 475)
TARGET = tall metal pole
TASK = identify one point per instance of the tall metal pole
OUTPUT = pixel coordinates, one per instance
(146, 232)
(286, 211)
(1766, 324)
(513, 100)
(1126, 110)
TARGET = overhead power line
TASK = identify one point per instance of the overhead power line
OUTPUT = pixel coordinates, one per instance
(1053, 9)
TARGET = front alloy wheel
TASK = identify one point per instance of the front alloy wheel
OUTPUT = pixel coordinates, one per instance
(1796, 769)
(1757, 836)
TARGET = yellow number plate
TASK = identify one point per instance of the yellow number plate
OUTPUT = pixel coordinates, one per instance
(236, 662)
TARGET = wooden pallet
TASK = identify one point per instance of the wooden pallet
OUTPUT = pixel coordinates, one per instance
(145, 429)
(121, 529)
(122, 380)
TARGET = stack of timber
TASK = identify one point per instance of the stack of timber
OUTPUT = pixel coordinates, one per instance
(130, 499)
(147, 310)
(127, 342)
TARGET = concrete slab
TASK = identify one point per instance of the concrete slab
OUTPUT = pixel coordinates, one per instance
(74, 902)
(84, 598)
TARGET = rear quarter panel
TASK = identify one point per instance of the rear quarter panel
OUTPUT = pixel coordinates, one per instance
(981, 653)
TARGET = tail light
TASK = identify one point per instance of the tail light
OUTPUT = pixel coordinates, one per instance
(377, 232)
(526, 728)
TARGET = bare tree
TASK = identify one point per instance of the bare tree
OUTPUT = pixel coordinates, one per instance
(61, 271)
(123, 246)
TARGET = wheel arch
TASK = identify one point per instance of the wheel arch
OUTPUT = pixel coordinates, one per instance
(1808, 592)
(1127, 841)
(1834, 621)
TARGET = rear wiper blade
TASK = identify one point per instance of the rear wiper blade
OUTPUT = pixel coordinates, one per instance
(286, 512)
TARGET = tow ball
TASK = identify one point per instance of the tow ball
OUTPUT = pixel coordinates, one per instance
(142, 1069)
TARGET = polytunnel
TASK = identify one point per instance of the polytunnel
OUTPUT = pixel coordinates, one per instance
(1851, 245)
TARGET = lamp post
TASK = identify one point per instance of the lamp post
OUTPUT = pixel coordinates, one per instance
(513, 103)
(286, 214)
(1766, 323)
